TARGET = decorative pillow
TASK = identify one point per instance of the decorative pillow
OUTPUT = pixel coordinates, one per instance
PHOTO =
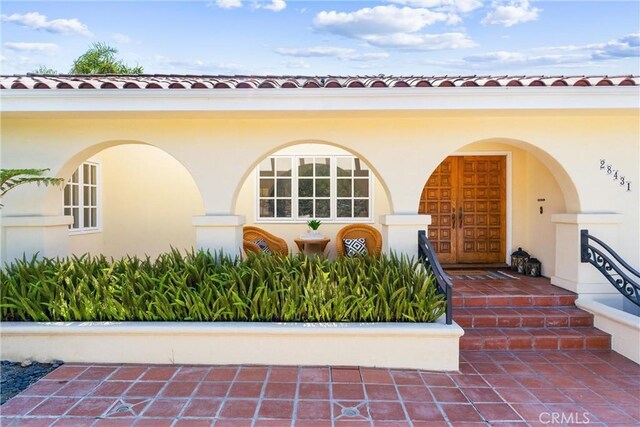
(263, 246)
(355, 247)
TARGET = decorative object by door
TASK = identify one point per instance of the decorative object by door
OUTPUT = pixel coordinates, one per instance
(466, 198)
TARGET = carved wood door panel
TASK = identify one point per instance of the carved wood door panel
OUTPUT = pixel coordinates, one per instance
(466, 198)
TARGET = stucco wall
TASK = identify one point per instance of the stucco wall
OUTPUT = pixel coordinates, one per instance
(221, 150)
(148, 202)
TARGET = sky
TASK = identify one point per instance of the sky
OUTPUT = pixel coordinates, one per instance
(289, 37)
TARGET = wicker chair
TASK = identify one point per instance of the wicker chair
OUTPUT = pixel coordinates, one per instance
(250, 234)
(373, 238)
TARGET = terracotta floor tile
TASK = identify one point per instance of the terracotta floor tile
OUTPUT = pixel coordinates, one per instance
(238, 408)
(44, 387)
(165, 408)
(348, 391)
(345, 375)
(376, 376)
(221, 374)
(280, 390)
(97, 373)
(423, 411)
(128, 373)
(381, 392)
(313, 423)
(283, 375)
(501, 380)
(469, 380)
(516, 395)
(54, 406)
(314, 375)
(481, 394)
(159, 373)
(313, 391)
(407, 377)
(252, 373)
(410, 393)
(272, 422)
(275, 409)
(386, 411)
(448, 395)
(461, 412)
(66, 372)
(549, 395)
(92, 406)
(179, 389)
(111, 388)
(202, 408)
(145, 389)
(493, 412)
(74, 422)
(238, 422)
(115, 422)
(154, 422)
(530, 411)
(191, 373)
(247, 390)
(194, 422)
(212, 389)
(32, 422)
(437, 380)
(20, 405)
(314, 410)
(77, 388)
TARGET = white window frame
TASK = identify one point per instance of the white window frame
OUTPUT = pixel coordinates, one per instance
(81, 206)
(295, 218)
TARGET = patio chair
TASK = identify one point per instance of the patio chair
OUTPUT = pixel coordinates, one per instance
(371, 235)
(254, 239)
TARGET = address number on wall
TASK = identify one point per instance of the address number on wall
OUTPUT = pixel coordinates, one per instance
(615, 174)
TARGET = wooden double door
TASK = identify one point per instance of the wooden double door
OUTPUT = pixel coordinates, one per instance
(466, 198)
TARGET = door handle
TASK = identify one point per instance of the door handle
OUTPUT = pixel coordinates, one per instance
(453, 218)
(460, 216)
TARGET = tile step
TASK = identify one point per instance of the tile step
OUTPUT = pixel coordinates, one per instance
(513, 300)
(527, 317)
(514, 339)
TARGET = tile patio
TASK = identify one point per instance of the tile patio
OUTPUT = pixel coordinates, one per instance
(491, 388)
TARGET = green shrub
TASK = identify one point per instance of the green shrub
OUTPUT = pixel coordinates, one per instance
(203, 287)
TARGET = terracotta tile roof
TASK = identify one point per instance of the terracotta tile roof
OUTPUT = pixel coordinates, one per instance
(171, 81)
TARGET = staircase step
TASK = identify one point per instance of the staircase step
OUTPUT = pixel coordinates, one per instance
(500, 339)
(527, 317)
(468, 300)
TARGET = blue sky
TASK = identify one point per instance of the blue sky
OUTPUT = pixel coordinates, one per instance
(392, 37)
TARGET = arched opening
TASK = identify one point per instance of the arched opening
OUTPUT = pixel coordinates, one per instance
(128, 198)
(306, 180)
(491, 197)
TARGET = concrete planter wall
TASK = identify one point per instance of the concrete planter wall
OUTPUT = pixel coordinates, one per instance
(608, 316)
(431, 346)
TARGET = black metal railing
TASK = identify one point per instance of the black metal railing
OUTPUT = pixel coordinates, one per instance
(620, 274)
(430, 260)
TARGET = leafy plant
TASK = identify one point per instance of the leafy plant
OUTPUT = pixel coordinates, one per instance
(203, 287)
(314, 224)
(100, 58)
(11, 178)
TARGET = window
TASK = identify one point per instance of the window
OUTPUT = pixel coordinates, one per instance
(329, 188)
(81, 198)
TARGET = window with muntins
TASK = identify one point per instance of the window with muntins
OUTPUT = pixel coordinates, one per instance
(299, 188)
(81, 198)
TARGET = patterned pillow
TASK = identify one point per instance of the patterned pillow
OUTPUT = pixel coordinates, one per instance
(263, 246)
(355, 247)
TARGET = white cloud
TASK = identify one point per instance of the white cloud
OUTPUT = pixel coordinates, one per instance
(462, 6)
(31, 47)
(296, 63)
(342, 53)
(275, 5)
(377, 20)
(394, 27)
(37, 21)
(511, 13)
(227, 4)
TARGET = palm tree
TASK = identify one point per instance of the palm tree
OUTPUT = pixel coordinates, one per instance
(101, 59)
(11, 178)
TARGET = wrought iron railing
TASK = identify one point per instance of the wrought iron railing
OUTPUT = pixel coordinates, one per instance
(620, 274)
(430, 260)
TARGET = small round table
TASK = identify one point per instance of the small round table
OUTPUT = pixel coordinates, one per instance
(312, 246)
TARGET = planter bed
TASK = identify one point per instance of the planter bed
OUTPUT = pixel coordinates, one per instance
(428, 346)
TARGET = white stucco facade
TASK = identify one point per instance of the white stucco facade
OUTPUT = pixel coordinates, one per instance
(178, 167)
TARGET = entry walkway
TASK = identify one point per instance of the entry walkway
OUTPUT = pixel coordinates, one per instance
(492, 388)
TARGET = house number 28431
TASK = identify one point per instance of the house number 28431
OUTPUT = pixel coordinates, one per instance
(615, 174)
